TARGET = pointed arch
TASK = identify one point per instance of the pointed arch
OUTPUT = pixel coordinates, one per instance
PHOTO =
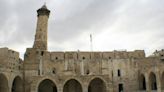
(47, 86)
(72, 85)
(17, 85)
(142, 82)
(152, 81)
(97, 85)
(3, 83)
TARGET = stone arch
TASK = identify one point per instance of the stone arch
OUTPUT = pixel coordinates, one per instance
(47, 85)
(99, 77)
(3, 83)
(162, 81)
(36, 82)
(97, 85)
(72, 85)
(152, 81)
(17, 85)
(142, 82)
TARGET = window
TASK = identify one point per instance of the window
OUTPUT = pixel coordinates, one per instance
(37, 52)
(19, 67)
(120, 88)
(87, 72)
(83, 58)
(42, 53)
(54, 71)
(112, 73)
(38, 72)
(119, 73)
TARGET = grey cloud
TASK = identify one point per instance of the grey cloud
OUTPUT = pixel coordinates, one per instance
(93, 16)
(70, 19)
(139, 16)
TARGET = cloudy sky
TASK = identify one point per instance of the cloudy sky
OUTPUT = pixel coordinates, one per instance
(114, 24)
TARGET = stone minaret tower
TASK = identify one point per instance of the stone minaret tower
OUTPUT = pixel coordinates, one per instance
(40, 42)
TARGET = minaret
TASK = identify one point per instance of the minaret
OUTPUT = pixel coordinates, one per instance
(40, 42)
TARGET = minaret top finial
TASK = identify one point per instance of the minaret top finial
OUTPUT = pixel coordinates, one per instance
(44, 6)
(43, 10)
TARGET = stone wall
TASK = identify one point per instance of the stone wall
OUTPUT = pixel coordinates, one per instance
(88, 64)
(113, 68)
(11, 70)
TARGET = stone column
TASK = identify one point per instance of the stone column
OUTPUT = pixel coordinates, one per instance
(7, 89)
(85, 87)
(158, 79)
(147, 83)
(60, 88)
(33, 89)
(162, 85)
(110, 87)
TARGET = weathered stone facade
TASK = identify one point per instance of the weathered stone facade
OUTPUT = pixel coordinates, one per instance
(45, 71)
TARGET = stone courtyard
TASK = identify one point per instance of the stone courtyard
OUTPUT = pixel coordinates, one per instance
(78, 71)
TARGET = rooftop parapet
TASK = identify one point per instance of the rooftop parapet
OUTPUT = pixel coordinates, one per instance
(5, 52)
(80, 55)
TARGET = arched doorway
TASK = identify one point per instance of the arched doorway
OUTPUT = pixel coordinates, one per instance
(47, 86)
(153, 81)
(72, 86)
(97, 85)
(142, 82)
(3, 83)
(17, 85)
(162, 81)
